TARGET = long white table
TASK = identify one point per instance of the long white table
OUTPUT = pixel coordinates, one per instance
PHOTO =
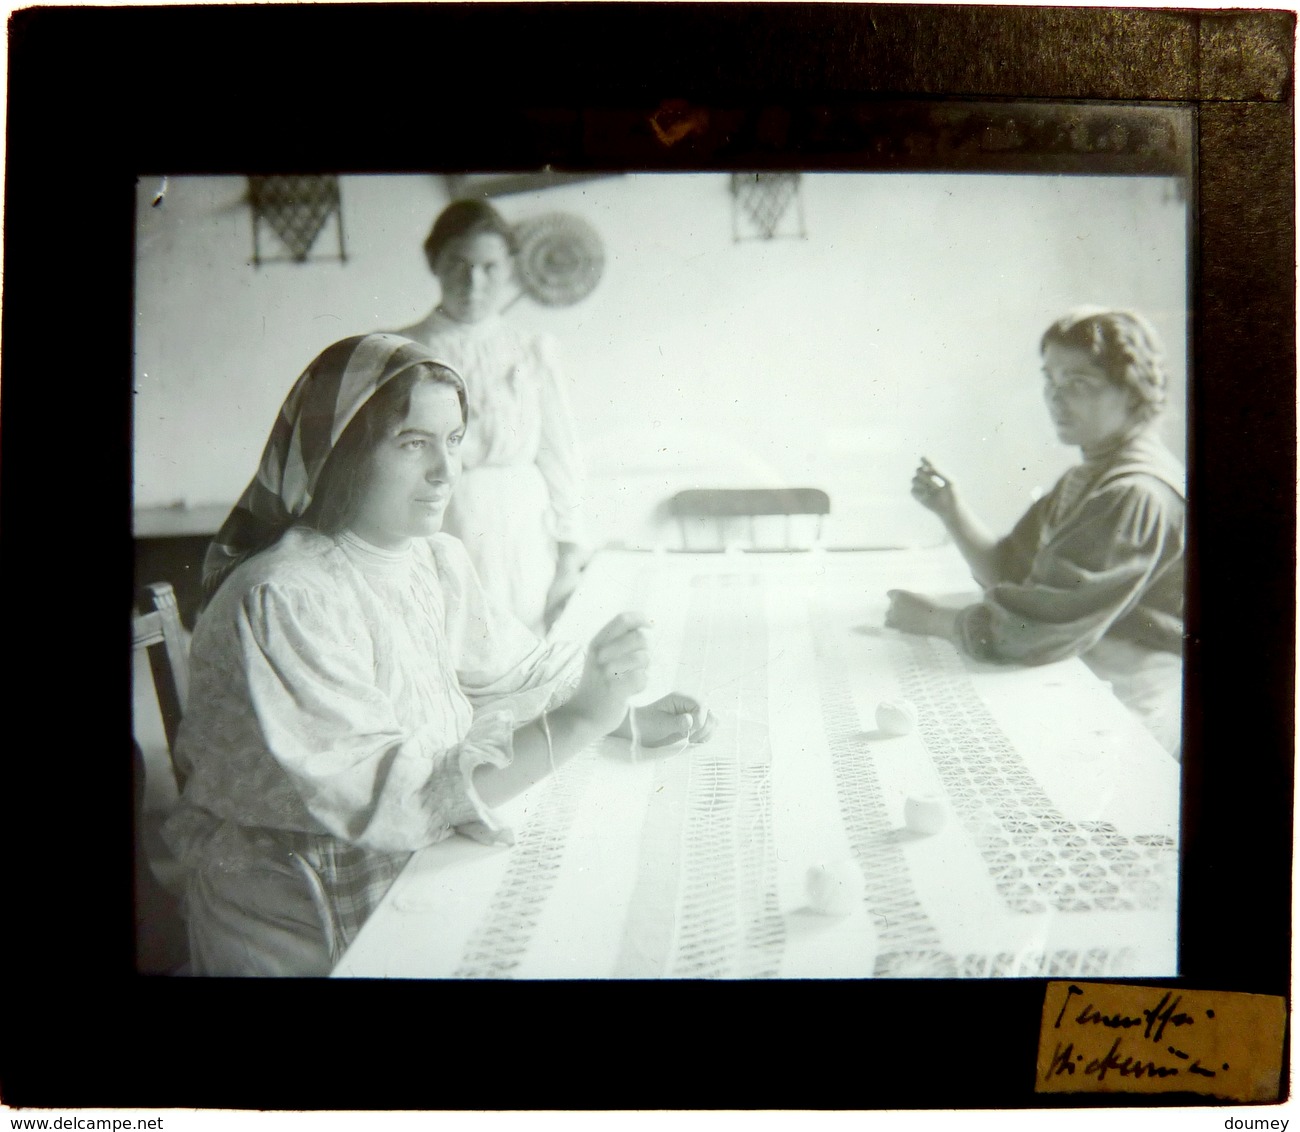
(1058, 856)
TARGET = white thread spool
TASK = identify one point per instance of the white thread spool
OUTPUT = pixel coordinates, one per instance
(925, 813)
(835, 889)
(896, 717)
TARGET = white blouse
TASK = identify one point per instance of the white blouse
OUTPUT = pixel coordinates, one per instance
(519, 412)
(344, 690)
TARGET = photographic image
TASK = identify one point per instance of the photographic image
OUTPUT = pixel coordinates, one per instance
(887, 463)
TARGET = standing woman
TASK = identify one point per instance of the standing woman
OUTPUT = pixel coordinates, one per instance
(1094, 568)
(354, 694)
(518, 507)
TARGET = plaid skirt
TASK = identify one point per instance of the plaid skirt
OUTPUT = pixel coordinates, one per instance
(281, 903)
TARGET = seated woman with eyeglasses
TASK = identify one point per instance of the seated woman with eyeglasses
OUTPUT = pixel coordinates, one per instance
(1095, 568)
(355, 695)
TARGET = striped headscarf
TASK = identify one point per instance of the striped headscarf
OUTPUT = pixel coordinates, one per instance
(319, 407)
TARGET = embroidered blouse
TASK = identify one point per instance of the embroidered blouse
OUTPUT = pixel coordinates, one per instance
(341, 698)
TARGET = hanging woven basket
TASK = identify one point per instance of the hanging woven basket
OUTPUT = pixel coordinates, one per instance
(560, 258)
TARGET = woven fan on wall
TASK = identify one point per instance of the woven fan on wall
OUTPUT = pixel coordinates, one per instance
(560, 258)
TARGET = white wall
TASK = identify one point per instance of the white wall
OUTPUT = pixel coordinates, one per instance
(906, 322)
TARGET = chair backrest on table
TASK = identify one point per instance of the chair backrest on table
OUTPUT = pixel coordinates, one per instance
(727, 503)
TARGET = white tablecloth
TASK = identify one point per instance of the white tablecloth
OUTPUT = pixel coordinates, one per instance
(1058, 856)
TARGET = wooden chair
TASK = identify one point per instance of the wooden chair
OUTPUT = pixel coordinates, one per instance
(723, 504)
(159, 928)
(160, 633)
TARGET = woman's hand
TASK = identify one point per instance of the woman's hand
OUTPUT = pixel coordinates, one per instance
(913, 613)
(934, 491)
(615, 670)
(670, 720)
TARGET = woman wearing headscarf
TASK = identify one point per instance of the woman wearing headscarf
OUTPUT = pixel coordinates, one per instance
(355, 694)
(518, 510)
(1095, 568)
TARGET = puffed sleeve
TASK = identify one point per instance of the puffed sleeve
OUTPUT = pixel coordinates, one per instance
(368, 780)
(1013, 556)
(499, 661)
(559, 455)
(1090, 573)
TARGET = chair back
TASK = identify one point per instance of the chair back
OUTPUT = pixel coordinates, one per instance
(160, 938)
(722, 504)
(160, 633)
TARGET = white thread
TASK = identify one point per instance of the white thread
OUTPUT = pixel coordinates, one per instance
(550, 750)
(636, 731)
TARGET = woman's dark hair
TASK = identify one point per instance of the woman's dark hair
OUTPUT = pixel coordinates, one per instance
(343, 478)
(465, 218)
(1124, 345)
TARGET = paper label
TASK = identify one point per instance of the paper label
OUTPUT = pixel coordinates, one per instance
(1112, 1038)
